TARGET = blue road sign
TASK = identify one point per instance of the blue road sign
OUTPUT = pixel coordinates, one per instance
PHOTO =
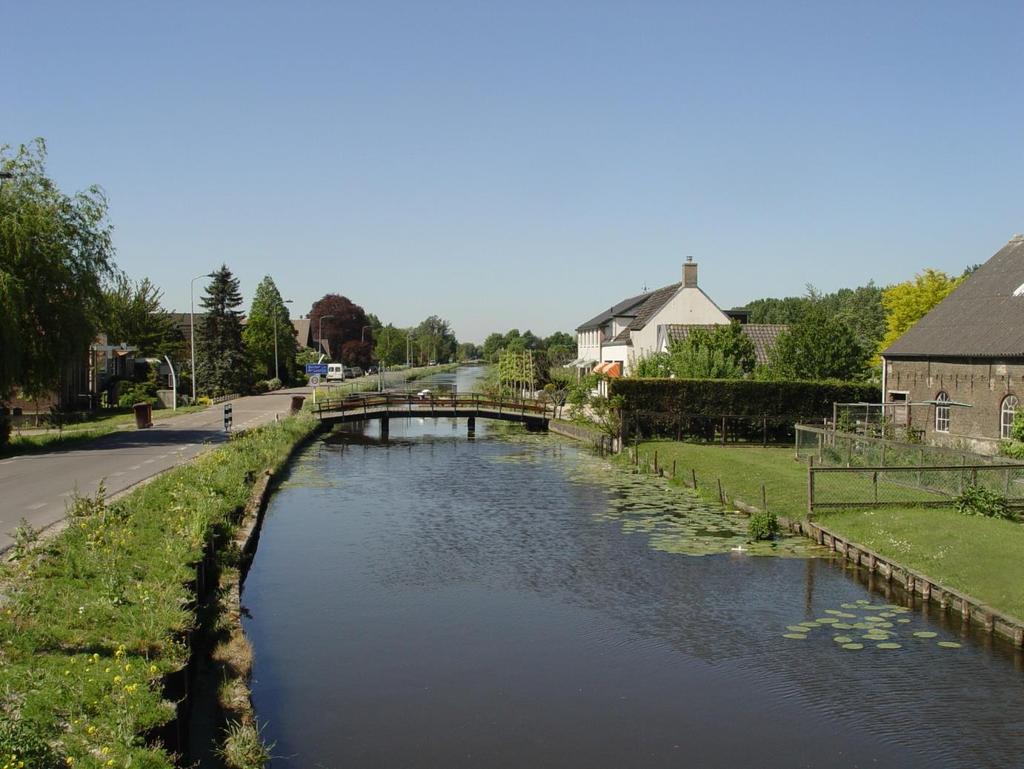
(316, 368)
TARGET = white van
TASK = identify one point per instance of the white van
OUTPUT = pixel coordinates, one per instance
(335, 371)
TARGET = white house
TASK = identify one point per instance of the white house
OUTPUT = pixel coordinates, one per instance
(638, 326)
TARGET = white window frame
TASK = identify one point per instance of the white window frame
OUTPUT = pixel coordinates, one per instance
(1008, 408)
(942, 413)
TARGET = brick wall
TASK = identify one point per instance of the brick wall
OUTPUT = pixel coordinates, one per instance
(983, 384)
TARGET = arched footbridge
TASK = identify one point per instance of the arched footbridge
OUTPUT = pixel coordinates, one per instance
(360, 407)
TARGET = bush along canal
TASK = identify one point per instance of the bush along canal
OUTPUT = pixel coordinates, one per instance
(508, 600)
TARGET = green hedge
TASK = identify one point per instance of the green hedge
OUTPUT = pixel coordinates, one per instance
(695, 407)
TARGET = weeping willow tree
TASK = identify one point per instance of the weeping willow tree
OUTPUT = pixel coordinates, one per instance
(56, 255)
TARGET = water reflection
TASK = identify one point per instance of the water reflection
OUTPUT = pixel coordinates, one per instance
(436, 602)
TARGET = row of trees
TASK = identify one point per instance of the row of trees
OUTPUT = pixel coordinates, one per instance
(830, 336)
(845, 332)
(60, 288)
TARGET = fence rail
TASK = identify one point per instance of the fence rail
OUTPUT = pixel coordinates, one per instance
(833, 448)
(920, 486)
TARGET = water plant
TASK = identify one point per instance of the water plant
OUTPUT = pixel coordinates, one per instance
(875, 624)
(763, 525)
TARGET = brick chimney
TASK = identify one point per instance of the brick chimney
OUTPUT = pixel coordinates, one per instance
(689, 273)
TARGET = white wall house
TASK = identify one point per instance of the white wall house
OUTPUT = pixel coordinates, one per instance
(629, 330)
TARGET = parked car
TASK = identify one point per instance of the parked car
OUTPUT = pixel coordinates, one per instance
(424, 395)
(356, 371)
(372, 370)
(335, 371)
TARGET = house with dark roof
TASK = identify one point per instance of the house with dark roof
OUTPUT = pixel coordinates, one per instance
(647, 323)
(968, 352)
(762, 335)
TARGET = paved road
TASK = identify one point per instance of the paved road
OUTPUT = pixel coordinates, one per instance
(38, 487)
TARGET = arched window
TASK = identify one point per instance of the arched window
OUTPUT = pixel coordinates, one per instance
(1006, 413)
(942, 413)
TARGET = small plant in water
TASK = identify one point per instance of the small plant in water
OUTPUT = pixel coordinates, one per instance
(977, 500)
(243, 747)
(763, 525)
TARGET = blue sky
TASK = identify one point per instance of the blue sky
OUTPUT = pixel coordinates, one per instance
(528, 163)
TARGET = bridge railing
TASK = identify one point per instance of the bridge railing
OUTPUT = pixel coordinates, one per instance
(416, 403)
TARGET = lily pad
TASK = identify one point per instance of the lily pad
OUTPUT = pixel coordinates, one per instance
(826, 620)
(795, 636)
(903, 621)
(949, 644)
(853, 646)
(888, 645)
(796, 628)
(925, 634)
(843, 639)
(841, 626)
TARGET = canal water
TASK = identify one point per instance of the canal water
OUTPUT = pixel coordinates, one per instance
(442, 601)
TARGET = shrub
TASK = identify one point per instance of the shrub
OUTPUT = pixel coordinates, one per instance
(977, 500)
(260, 386)
(274, 384)
(660, 406)
(763, 525)
(140, 392)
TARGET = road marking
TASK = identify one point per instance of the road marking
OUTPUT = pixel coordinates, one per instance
(36, 506)
(135, 467)
(149, 461)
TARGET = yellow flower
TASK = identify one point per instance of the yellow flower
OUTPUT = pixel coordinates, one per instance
(91, 730)
(70, 760)
(117, 679)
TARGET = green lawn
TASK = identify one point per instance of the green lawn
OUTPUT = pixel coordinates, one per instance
(983, 557)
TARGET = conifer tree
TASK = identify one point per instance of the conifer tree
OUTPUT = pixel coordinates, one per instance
(222, 365)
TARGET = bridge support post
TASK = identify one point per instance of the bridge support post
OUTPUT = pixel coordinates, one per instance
(383, 428)
(471, 426)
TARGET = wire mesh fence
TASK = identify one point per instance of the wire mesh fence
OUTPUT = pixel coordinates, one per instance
(922, 486)
(880, 420)
(831, 448)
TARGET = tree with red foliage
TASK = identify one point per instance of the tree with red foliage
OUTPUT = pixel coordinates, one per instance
(348, 334)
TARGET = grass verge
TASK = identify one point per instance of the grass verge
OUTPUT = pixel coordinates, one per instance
(979, 556)
(97, 619)
(72, 435)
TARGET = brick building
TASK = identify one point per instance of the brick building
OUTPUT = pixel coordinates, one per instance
(968, 350)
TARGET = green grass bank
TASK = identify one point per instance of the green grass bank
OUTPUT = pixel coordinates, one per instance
(983, 557)
(96, 621)
(33, 441)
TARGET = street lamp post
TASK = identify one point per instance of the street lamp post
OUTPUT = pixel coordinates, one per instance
(320, 332)
(192, 325)
(277, 368)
